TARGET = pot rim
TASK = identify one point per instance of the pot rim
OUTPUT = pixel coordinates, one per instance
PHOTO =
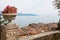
(9, 14)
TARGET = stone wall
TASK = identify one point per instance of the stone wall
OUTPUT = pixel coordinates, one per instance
(50, 37)
(53, 35)
(9, 32)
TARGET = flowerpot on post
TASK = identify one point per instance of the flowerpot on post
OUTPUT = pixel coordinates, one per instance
(9, 31)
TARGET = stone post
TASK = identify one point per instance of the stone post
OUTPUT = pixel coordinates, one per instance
(9, 32)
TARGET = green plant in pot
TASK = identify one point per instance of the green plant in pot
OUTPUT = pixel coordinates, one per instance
(2, 22)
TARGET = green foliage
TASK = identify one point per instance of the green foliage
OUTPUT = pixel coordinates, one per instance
(2, 21)
(57, 4)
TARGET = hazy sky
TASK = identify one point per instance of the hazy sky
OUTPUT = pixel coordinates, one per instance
(29, 6)
(43, 8)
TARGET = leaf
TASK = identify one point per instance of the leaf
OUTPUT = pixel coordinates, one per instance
(2, 21)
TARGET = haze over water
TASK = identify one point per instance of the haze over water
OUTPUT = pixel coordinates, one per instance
(25, 20)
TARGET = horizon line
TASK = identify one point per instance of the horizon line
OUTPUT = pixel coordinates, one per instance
(20, 14)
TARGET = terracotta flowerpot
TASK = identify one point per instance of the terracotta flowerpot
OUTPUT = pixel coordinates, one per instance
(9, 16)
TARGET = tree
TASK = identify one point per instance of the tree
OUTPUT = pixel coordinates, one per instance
(57, 5)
